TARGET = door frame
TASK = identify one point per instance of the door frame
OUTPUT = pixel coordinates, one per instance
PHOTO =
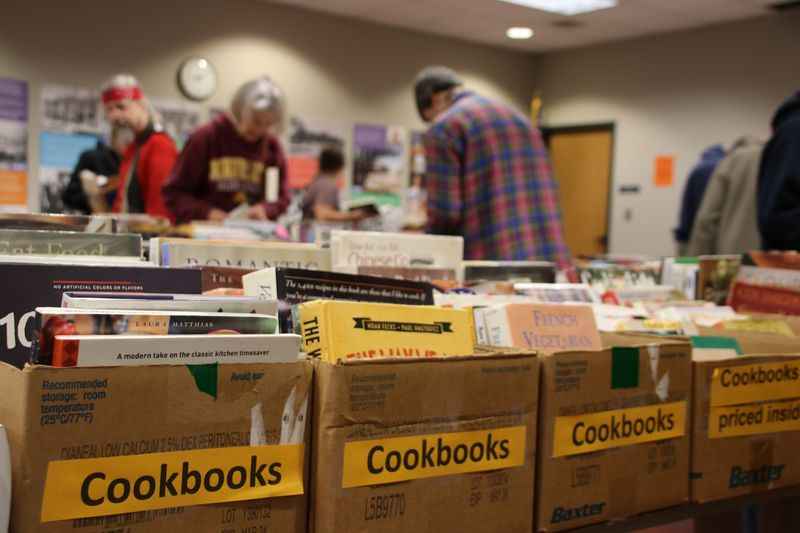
(611, 127)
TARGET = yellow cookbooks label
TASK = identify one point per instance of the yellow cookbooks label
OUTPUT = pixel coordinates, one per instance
(592, 432)
(389, 460)
(733, 385)
(736, 421)
(112, 485)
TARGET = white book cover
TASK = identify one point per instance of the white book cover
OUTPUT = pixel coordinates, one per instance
(352, 249)
(770, 277)
(239, 254)
(138, 350)
(262, 284)
(5, 481)
(557, 292)
(171, 302)
(497, 327)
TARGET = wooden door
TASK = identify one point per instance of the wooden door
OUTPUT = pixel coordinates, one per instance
(581, 159)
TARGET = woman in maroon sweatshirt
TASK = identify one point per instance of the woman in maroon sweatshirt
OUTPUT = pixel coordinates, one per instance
(148, 160)
(233, 160)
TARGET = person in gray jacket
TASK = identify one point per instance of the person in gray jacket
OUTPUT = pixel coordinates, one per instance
(727, 221)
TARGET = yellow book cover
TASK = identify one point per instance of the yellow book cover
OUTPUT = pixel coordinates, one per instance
(339, 330)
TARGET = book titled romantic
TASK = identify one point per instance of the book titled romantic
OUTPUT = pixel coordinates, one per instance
(134, 350)
(237, 254)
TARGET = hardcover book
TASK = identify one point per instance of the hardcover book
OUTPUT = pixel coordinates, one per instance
(338, 330)
(136, 350)
(26, 286)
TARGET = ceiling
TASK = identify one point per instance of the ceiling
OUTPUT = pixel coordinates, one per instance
(486, 21)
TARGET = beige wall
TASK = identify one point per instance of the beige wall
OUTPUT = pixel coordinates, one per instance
(672, 94)
(332, 68)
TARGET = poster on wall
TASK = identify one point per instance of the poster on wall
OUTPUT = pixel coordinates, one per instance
(179, 119)
(13, 145)
(306, 139)
(72, 109)
(58, 154)
(380, 164)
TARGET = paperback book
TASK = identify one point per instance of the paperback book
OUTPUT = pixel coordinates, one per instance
(54, 321)
(248, 255)
(223, 277)
(26, 286)
(137, 350)
(39, 242)
(295, 286)
(557, 292)
(344, 331)
(509, 271)
(168, 302)
(353, 249)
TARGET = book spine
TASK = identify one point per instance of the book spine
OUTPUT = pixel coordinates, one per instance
(314, 330)
(498, 329)
(85, 350)
(155, 255)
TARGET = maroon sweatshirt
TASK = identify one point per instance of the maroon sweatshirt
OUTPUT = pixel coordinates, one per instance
(219, 169)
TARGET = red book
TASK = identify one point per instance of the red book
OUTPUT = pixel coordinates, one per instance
(745, 298)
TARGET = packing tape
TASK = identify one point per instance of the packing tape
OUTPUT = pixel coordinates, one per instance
(390, 460)
(591, 432)
(84, 488)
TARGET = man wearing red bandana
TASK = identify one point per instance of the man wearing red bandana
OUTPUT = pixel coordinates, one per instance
(148, 160)
(234, 162)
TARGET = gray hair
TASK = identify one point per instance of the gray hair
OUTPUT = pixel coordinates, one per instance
(260, 94)
(432, 80)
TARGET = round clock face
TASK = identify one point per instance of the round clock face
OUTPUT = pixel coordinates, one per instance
(197, 79)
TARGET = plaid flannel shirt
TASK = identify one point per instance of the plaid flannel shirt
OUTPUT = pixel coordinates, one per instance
(489, 180)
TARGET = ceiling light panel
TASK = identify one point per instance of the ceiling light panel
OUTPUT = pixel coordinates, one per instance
(565, 7)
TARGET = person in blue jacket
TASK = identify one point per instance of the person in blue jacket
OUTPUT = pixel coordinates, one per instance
(779, 180)
(693, 194)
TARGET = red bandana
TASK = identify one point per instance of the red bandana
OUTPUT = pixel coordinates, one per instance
(115, 94)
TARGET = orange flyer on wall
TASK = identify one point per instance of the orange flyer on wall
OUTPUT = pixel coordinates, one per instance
(664, 171)
(13, 188)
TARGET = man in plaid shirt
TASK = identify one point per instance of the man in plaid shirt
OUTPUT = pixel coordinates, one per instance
(487, 174)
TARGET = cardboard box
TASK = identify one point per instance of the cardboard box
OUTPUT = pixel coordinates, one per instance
(391, 439)
(116, 449)
(746, 419)
(614, 431)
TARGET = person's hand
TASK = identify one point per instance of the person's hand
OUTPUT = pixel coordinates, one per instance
(357, 215)
(217, 215)
(257, 212)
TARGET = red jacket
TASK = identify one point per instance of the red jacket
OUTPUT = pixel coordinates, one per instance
(219, 169)
(157, 155)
